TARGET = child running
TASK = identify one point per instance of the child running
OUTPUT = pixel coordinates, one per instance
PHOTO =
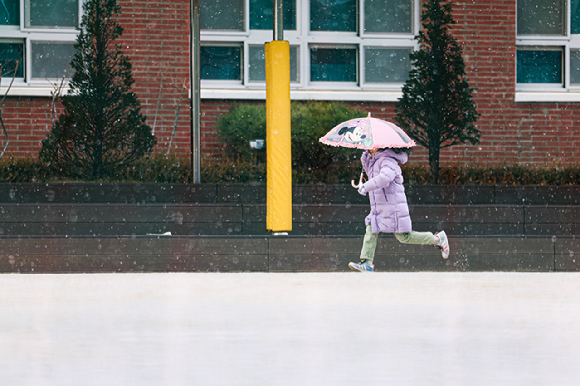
(389, 209)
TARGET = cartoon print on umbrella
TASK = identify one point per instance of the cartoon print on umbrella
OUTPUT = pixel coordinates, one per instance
(367, 133)
(353, 132)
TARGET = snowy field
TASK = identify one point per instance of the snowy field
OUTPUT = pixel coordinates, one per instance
(462, 329)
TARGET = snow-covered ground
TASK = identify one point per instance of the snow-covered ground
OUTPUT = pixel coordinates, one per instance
(461, 329)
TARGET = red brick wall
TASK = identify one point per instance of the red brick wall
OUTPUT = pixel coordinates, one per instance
(27, 121)
(156, 38)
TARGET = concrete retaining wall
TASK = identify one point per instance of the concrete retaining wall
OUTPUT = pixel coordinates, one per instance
(280, 254)
(115, 228)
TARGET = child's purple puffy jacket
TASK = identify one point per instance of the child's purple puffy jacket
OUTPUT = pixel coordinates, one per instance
(389, 209)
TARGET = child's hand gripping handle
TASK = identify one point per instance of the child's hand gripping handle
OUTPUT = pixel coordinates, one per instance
(360, 181)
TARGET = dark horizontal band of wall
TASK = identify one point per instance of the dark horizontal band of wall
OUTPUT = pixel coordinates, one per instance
(250, 219)
(124, 193)
(280, 254)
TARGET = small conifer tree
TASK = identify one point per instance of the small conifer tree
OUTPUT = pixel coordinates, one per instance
(101, 129)
(437, 109)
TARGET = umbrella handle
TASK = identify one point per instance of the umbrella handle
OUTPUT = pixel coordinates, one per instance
(360, 181)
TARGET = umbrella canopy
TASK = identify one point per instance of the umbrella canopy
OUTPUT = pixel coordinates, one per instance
(367, 133)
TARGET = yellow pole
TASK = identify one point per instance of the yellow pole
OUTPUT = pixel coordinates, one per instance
(278, 143)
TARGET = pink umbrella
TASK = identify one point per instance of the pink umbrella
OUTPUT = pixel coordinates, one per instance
(367, 133)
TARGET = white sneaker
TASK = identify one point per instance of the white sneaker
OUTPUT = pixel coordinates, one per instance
(443, 244)
(363, 266)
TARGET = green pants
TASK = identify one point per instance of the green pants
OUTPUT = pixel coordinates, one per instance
(370, 241)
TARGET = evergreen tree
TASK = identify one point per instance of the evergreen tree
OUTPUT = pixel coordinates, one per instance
(437, 109)
(101, 129)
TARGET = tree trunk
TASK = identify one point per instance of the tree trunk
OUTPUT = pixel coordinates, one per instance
(98, 162)
(434, 164)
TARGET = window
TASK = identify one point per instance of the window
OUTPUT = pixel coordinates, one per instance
(51, 13)
(11, 54)
(548, 45)
(388, 16)
(335, 45)
(333, 64)
(37, 40)
(387, 65)
(257, 64)
(10, 12)
(333, 15)
(539, 65)
(226, 15)
(575, 67)
(51, 59)
(262, 14)
(575, 16)
(541, 17)
(221, 62)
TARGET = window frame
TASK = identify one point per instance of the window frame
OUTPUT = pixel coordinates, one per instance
(28, 86)
(24, 11)
(378, 85)
(334, 84)
(303, 38)
(550, 92)
(29, 52)
(242, 61)
(569, 76)
(544, 86)
(565, 19)
(415, 11)
(17, 80)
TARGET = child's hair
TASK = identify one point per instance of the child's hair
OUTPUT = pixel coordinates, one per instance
(398, 150)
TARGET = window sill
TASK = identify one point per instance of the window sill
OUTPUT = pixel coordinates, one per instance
(542, 96)
(325, 95)
(246, 94)
(30, 91)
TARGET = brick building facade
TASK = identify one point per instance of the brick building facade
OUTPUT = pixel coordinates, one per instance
(521, 122)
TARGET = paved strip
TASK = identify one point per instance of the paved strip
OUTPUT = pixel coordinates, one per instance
(290, 329)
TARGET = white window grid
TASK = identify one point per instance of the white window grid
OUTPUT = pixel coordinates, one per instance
(568, 42)
(304, 39)
(30, 35)
(25, 16)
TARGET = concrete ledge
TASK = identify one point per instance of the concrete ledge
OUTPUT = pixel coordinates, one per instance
(468, 254)
(143, 254)
(120, 219)
(567, 254)
(279, 254)
(125, 193)
(121, 193)
(552, 220)
(249, 219)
